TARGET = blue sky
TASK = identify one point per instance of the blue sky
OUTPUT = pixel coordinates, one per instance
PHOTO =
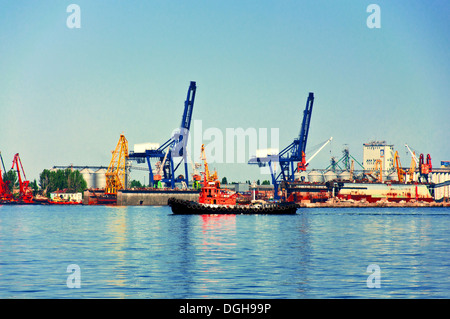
(66, 95)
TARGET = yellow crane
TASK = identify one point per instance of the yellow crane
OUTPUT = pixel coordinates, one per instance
(398, 166)
(209, 177)
(115, 175)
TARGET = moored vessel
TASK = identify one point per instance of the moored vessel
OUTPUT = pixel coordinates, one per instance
(393, 192)
(185, 207)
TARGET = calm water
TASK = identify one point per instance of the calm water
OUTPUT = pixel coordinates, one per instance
(146, 252)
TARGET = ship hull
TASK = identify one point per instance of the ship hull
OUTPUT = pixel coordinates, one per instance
(186, 207)
(374, 192)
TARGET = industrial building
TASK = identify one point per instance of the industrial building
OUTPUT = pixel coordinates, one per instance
(378, 152)
(62, 195)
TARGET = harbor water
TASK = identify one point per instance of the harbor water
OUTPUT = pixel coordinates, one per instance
(146, 252)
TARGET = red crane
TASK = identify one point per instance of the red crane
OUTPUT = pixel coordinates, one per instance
(425, 169)
(25, 192)
(5, 194)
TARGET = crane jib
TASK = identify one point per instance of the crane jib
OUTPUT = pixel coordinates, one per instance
(303, 136)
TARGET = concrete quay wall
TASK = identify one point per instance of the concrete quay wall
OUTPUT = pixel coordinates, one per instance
(142, 198)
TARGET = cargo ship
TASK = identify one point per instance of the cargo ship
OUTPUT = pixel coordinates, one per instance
(370, 192)
(392, 192)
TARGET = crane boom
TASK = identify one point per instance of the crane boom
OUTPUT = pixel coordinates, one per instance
(299, 144)
(209, 177)
(306, 121)
(25, 192)
(398, 166)
(325, 144)
(116, 173)
(413, 155)
(188, 106)
(5, 194)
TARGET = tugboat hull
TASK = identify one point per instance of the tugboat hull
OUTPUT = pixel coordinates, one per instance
(185, 207)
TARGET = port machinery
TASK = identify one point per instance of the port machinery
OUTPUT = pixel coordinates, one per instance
(175, 147)
(293, 153)
(5, 193)
(25, 192)
(425, 168)
(214, 199)
(117, 169)
(116, 174)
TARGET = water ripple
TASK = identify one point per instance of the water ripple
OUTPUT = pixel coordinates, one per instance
(146, 252)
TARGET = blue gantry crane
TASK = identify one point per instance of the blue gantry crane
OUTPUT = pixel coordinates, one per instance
(294, 153)
(173, 148)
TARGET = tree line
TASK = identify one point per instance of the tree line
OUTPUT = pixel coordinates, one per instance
(67, 179)
(258, 182)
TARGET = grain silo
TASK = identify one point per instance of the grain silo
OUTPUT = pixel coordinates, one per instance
(301, 176)
(89, 177)
(345, 176)
(330, 176)
(315, 177)
(100, 178)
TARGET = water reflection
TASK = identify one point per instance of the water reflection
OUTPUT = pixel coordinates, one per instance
(242, 256)
(116, 226)
(214, 228)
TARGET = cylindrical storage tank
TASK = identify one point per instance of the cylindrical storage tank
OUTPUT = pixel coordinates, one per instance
(344, 176)
(88, 176)
(315, 177)
(301, 176)
(100, 178)
(330, 176)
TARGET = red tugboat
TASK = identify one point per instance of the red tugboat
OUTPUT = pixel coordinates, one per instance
(216, 200)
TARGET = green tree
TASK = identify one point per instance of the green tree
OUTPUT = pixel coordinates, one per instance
(61, 179)
(34, 187)
(135, 184)
(44, 181)
(265, 182)
(11, 176)
(76, 182)
(224, 180)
